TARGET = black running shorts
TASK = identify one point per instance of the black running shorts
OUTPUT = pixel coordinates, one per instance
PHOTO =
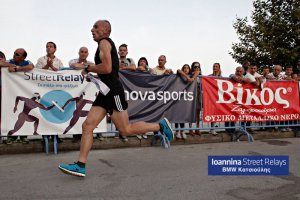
(114, 100)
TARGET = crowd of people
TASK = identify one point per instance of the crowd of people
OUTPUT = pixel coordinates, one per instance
(247, 73)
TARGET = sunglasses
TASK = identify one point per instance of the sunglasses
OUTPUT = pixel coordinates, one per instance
(17, 54)
(196, 66)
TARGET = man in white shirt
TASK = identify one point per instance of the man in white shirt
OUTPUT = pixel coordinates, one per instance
(253, 77)
(49, 62)
(161, 69)
(288, 75)
(81, 62)
(78, 64)
(276, 75)
(238, 75)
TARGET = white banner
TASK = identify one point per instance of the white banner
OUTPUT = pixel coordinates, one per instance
(46, 102)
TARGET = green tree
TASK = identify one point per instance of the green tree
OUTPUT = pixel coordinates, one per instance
(273, 37)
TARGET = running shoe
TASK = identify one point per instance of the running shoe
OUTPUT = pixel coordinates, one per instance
(166, 129)
(100, 137)
(73, 169)
(145, 136)
(24, 140)
(178, 135)
(9, 141)
(213, 132)
(184, 136)
(123, 138)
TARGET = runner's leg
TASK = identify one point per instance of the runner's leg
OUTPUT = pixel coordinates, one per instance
(121, 121)
(95, 116)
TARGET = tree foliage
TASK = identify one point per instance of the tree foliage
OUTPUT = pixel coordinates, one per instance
(273, 37)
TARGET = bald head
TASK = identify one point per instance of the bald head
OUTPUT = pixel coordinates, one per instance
(107, 26)
(83, 53)
(83, 49)
(277, 70)
(278, 67)
(162, 61)
(19, 55)
(101, 29)
(239, 71)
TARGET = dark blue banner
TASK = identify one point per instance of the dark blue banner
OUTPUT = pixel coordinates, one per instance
(248, 165)
(151, 97)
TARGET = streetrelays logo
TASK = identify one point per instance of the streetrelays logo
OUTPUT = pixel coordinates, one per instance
(53, 77)
(164, 96)
(248, 165)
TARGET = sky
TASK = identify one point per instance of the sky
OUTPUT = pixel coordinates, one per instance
(183, 31)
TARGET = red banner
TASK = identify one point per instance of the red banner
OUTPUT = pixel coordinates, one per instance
(225, 100)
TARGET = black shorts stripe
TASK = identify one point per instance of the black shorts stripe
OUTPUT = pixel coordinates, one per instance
(111, 101)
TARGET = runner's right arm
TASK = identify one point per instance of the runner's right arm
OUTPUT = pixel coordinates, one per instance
(106, 66)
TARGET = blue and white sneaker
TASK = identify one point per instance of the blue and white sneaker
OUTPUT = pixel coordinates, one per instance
(166, 129)
(73, 169)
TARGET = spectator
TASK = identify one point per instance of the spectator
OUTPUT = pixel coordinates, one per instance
(78, 64)
(266, 71)
(2, 56)
(160, 69)
(289, 75)
(18, 64)
(125, 63)
(81, 62)
(216, 72)
(50, 62)
(196, 70)
(252, 75)
(238, 75)
(297, 77)
(185, 73)
(255, 79)
(297, 70)
(245, 66)
(143, 65)
(276, 75)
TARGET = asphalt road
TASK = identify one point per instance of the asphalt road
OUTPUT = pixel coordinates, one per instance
(150, 173)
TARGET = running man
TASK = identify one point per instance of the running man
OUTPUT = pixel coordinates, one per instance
(78, 112)
(114, 103)
(24, 116)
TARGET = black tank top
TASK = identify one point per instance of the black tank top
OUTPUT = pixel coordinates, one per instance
(111, 79)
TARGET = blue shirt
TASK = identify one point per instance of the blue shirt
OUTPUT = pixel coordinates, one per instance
(22, 64)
